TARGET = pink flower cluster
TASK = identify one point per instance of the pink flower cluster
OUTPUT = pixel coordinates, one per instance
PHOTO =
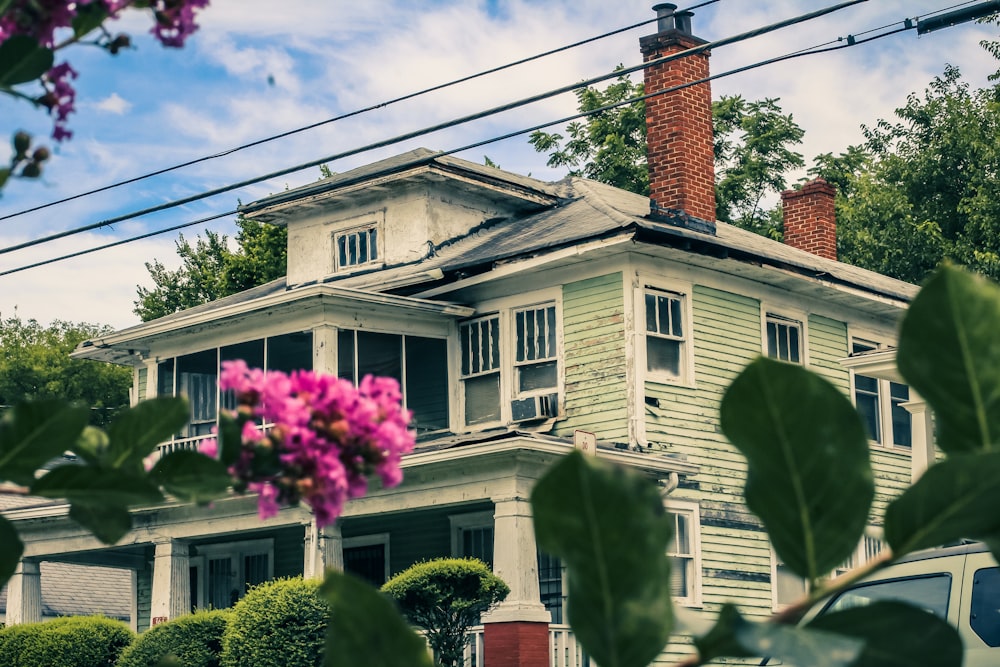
(327, 437)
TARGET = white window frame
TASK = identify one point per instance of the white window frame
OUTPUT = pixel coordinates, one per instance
(371, 540)
(692, 513)
(469, 521)
(357, 231)
(868, 548)
(783, 317)
(683, 292)
(885, 438)
(236, 551)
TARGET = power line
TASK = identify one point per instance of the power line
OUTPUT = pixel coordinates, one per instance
(440, 126)
(823, 48)
(350, 114)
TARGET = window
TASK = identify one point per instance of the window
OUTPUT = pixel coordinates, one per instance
(221, 574)
(788, 587)
(784, 338)
(665, 335)
(472, 536)
(685, 553)
(512, 355)
(552, 586)
(985, 616)
(356, 247)
(930, 593)
(880, 403)
(368, 557)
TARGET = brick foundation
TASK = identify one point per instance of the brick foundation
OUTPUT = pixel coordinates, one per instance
(516, 644)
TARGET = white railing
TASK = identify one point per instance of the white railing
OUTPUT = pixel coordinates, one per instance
(564, 650)
(473, 656)
(178, 444)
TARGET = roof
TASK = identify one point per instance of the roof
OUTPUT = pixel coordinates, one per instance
(69, 589)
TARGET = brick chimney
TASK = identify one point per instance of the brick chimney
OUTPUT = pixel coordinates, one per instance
(679, 124)
(810, 220)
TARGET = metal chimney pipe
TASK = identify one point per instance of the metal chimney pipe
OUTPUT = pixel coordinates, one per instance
(665, 16)
(682, 21)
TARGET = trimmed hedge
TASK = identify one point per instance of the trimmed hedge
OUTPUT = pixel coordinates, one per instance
(281, 623)
(73, 641)
(194, 640)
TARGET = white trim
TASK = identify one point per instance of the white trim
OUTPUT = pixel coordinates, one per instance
(367, 541)
(685, 291)
(692, 511)
(880, 357)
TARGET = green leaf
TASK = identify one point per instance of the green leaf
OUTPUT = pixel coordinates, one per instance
(4, 176)
(365, 629)
(136, 432)
(618, 570)
(108, 523)
(230, 438)
(809, 477)
(96, 486)
(191, 476)
(896, 635)
(953, 499)
(88, 17)
(11, 549)
(948, 353)
(734, 636)
(23, 60)
(32, 434)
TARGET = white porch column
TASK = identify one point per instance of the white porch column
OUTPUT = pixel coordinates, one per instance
(24, 594)
(171, 582)
(922, 424)
(515, 560)
(325, 349)
(324, 549)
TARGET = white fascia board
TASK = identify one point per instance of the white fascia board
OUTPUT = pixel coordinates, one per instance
(880, 364)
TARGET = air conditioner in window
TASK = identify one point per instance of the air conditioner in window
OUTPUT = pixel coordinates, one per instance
(534, 407)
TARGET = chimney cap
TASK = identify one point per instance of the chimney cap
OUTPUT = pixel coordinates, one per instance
(665, 16)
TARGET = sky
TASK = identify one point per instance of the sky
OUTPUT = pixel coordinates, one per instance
(258, 68)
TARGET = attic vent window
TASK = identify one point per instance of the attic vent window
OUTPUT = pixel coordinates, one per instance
(356, 247)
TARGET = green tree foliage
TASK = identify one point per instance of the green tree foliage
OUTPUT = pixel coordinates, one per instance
(753, 149)
(194, 640)
(35, 365)
(446, 597)
(73, 641)
(211, 270)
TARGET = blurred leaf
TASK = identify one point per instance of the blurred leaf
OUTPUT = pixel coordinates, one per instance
(896, 635)
(92, 445)
(11, 549)
(22, 60)
(96, 486)
(88, 17)
(609, 527)
(135, 432)
(953, 499)
(108, 523)
(734, 636)
(191, 476)
(230, 438)
(948, 354)
(4, 176)
(809, 477)
(31, 434)
(365, 629)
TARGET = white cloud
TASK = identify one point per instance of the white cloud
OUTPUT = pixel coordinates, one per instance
(115, 104)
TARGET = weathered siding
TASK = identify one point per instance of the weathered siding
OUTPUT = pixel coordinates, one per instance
(827, 341)
(144, 593)
(141, 376)
(289, 551)
(892, 470)
(594, 350)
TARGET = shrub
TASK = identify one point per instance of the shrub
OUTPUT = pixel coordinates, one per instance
(281, 623)
(446, 597)
(74, 641)
(194, 640)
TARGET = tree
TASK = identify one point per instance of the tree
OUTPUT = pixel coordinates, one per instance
(446, 597)
(211, 270)
(752, 149)
(35, 365)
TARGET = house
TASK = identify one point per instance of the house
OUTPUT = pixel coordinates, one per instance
(515, 313)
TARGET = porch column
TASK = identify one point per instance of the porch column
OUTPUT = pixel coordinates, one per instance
(24, 594)
(171, 582)
(516, 633)
(922, 447)
(325, 349)
(324, 549)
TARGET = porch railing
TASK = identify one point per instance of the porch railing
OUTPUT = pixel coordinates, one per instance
(178, 444)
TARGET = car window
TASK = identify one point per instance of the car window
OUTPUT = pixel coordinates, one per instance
(985, 612)
(929, 593)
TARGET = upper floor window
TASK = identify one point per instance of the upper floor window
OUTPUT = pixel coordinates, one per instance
(880, 403)
(685, 553)
(788, 588)
(784, 338)
(665, 334)
(356, 247)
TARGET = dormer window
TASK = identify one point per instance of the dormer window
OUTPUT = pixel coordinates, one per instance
(356, 247)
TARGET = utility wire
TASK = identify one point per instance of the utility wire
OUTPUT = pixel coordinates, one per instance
(350, 114)
(824, 48)
(440, 126)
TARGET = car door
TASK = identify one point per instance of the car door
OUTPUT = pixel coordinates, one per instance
(979, 623)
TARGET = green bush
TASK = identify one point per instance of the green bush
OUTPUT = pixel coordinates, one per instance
(446, 597)
(73, 641)
(194, 640)
(281, 623)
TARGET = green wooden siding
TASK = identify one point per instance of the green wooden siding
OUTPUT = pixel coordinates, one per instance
(594, 351)
(144, 592)
(141, 376)
(827, 340)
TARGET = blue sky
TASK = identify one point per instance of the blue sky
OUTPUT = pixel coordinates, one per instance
(258, 68)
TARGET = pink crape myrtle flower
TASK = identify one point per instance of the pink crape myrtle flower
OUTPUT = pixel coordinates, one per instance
(326, 438)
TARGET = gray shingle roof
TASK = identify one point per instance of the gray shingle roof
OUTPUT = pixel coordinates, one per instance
(69, 589)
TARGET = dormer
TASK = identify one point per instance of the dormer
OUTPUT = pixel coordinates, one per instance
(393, 212)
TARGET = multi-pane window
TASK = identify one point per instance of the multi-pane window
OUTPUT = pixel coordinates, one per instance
(535, 355)
(880, 403)
(480, 348)
(784, 338)
(552, 586)
(367, 557)
(664, 333)
(472, 536)
(221, 574)
(356, 247)
(685, 561)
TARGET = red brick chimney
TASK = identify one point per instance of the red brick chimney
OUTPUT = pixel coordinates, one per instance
(679, 124)
(810, 220)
